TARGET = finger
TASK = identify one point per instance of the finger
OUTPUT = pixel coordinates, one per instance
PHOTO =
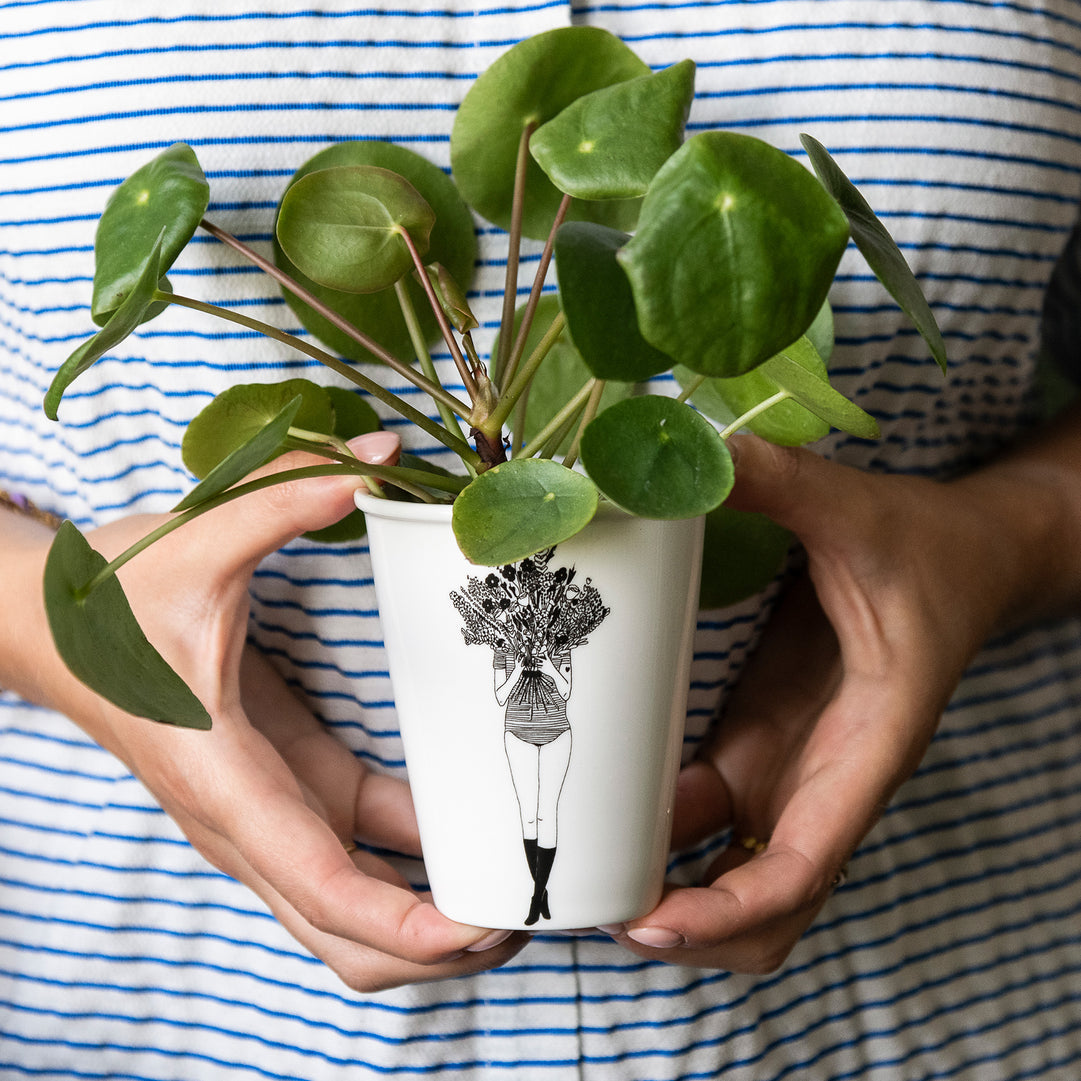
(367, 970)
(759, 904)
(797, 488)
(385, 815)
(362, 968)
(748, 920)
(754, 910)
(703, 806)
(279, 824)
(230, 540)
(737, 777)
(354, 801)
(199, 576)
(287, 842)
(241, 805)
(265, 520)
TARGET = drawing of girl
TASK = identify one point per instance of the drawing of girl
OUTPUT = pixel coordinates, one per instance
(532, 617)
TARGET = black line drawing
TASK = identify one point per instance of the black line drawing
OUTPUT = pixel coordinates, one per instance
(532, 617)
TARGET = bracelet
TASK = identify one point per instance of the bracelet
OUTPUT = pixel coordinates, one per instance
(21, 505)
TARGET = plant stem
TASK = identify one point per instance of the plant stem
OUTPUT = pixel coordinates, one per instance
(322, 441)
(409, 314)
(514, 247)
(471, 351)
(337, 451)
(588, 414)
(766, 403)
(521, 411)
(690, 388)
(441, 318)
(560, 420)
(515, 357)
(329, 446)
(448, 439)
(328, 313)
(525, 375)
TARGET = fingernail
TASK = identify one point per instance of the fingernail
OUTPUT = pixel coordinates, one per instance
(490, 940)
(657, 938)
(376, 448)
(612, 928)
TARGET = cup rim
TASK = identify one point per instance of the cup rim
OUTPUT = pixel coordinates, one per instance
(402, 511)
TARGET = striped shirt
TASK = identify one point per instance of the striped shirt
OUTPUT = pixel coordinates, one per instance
(954, 949)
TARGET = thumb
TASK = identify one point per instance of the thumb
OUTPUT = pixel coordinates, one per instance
(799, 489)
(246, 530)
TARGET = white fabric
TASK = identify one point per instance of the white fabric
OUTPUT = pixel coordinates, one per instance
(953, 951)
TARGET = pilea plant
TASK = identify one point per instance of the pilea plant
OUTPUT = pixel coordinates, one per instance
(710, 257)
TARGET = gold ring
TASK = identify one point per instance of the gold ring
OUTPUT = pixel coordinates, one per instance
(754, 845)
(350, 847)
(751, 843)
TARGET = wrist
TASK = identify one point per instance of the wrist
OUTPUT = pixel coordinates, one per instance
(30, 665)
(26, 650)
(1030, 505)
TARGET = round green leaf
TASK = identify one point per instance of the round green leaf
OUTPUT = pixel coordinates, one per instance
(599, 305)
(353, 414)
(102, 643)
(526, 86)
(735, 252)
(521, 507)
(264, 444)
(878, 247)
(452, 244)
(786, 423)
(166, 198)
(820, 332)
(742, 554)
(609, 144)
(657, 458)
(232, 418)
(343, 227)
(796, 372)
(122, 322)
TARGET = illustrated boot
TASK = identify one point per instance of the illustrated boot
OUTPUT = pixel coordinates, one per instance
(539, 905)
(530, 845)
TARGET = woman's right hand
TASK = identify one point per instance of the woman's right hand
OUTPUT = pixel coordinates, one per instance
(267, 795)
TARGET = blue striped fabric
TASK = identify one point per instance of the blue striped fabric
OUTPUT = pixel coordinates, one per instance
(954, 950)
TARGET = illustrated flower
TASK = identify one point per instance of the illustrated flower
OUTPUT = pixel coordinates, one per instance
(528, 609)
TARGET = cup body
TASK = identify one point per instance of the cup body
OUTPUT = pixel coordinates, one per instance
(541, 707)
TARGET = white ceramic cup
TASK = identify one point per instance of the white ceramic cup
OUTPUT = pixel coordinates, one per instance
(575, 747)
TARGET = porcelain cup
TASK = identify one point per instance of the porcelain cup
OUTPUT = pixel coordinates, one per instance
(541, 707)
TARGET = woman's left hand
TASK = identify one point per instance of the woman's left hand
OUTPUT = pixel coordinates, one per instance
(906, 579)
